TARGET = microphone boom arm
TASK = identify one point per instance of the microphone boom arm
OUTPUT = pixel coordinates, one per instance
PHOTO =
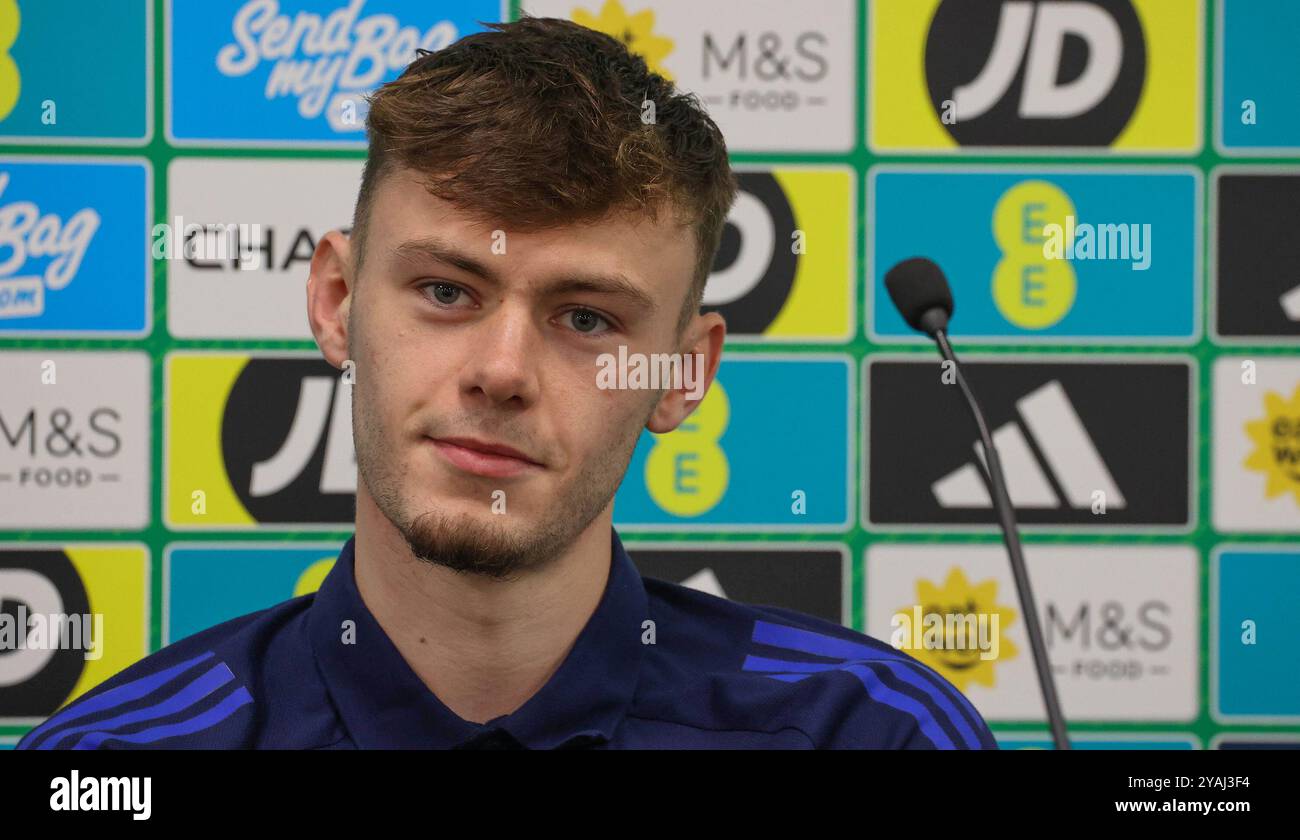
(1011, 535)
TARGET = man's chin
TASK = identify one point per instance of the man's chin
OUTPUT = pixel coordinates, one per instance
(474, 543)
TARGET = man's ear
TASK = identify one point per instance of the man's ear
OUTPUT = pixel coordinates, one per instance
(329, 295)
(706, 334)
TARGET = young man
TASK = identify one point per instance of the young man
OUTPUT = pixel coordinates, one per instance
(521, 214)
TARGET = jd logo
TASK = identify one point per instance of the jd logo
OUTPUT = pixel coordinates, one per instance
(286, 437)
(1031, 72)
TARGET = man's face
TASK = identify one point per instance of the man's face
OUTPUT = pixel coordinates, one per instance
(480, 430)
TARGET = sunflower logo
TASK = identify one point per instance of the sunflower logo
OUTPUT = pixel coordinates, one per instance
(953, 617)
(1277, 445)
(636, 31)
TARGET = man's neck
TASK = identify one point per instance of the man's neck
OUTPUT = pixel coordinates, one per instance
(482, 646)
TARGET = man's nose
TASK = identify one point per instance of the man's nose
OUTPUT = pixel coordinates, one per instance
(504, 357)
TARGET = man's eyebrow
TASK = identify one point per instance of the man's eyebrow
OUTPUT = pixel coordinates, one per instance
(431, 247)
(617, 285)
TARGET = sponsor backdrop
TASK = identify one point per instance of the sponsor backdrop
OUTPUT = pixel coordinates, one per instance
(1112, 186)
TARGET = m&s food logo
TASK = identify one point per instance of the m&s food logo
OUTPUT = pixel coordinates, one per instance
(298, 71)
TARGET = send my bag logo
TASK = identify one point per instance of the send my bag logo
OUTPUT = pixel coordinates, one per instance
(72, 247)
(293, 71)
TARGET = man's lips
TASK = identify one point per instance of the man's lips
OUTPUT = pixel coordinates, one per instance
(493, 460)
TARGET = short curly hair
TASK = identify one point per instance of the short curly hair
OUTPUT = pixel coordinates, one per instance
(541, 122)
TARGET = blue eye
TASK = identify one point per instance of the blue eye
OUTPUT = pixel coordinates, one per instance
(446, 292)
(586, 321)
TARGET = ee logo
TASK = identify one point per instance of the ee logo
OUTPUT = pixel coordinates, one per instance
(1030, 290)
(10, 79)
(686, 473)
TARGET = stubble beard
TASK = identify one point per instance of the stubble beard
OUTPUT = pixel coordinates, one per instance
(500, 546)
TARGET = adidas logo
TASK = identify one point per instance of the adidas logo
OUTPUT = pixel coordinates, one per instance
(705, 581)
(1291, 304)
(1061, 468)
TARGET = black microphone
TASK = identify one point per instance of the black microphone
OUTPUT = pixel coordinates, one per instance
(921, 294)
